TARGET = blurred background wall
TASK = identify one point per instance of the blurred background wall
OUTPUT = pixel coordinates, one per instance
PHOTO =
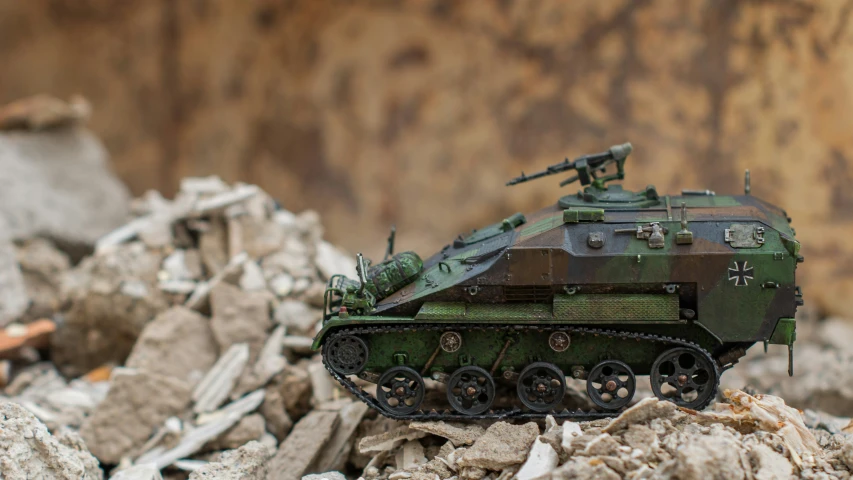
(417, 112)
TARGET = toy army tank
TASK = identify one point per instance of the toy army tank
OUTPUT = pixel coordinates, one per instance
(602, 286)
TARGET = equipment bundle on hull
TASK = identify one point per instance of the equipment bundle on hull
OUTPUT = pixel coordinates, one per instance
(603, 286)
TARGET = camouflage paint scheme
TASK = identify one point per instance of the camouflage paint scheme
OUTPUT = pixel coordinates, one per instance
(542, 270)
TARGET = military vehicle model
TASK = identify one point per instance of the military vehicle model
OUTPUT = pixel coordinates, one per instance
(602, 286)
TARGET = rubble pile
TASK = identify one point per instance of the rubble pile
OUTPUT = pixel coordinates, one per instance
(748, 437)
(180, 349)
(185, 334)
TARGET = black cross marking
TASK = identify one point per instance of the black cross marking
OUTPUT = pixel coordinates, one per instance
(741, 273)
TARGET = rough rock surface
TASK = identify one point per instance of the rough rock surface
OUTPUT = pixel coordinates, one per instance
(245, 463)
(29, 451)
(179, 343)
(718, 455)
(54, 182)
(503, 445)
(240, 316)
(136, 403)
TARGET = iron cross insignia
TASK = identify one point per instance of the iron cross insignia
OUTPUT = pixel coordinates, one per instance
(740, 273)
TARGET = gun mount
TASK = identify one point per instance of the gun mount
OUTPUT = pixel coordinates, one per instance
(588, 167)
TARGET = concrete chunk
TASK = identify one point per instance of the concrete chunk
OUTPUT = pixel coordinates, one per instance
(502, 446)
(246, 463)
(239, 317)
(177, 343)
(297, 454)
(541, 460)
(458, 433)
(145, 471)
(28, 450)
(136, 404)
(338, 449)
(644, 411)
(388, 440)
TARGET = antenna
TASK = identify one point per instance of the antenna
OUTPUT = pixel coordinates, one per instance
(390, 249)
(746, 185)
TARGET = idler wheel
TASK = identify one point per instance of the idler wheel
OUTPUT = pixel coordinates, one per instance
(611, 384)
(685, 377)
(470, 390)
(346, 354)
(541, 386)
(400, 390)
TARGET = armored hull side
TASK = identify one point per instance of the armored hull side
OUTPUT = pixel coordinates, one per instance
(603, 286)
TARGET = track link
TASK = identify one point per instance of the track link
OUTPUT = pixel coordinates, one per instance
(513, 413)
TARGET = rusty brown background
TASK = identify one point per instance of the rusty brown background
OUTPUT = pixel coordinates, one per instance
(417, 112)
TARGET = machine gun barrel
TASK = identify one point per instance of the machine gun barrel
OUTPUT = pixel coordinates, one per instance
(584, 165)
(563, 166)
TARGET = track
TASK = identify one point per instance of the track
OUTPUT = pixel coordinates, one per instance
(514, 413)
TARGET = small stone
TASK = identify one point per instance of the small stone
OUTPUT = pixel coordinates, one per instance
(644, 411)
(299, 318)
(502, 446)
(246, 463)
(389, 440)
(541, 460)
(325, 476)
(571, 431)
(252, 278)
(145, 471)
(458, 433)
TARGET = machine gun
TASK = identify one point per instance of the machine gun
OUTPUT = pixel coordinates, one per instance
(587, 167)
